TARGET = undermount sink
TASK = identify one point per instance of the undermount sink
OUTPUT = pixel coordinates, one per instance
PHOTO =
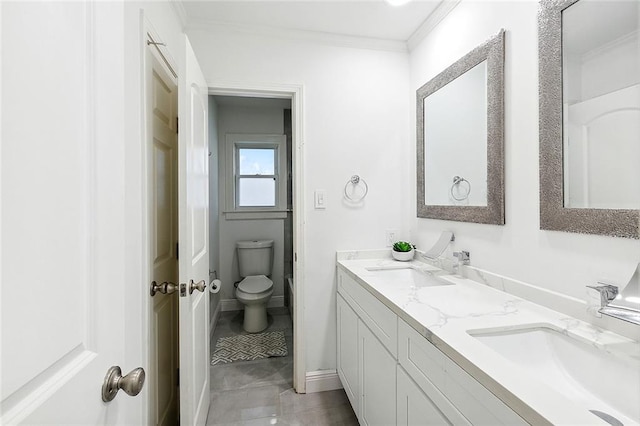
(408, 275)
(605, 383)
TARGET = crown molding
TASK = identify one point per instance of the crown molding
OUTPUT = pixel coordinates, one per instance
(180, 11)
(298, 35)
(630, 38)
(440, 12)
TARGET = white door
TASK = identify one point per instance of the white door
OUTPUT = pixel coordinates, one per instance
(62, 228)
(162, 110)
(602, 146)
(193, 176)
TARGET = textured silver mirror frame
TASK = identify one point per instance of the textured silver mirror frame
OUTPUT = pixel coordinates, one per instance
(553, 215)
(493, 213)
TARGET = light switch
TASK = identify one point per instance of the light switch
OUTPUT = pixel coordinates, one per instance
(319, 197)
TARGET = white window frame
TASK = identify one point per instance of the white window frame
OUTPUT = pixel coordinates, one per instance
(236, 141)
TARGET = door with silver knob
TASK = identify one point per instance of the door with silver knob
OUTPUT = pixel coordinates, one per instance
(162, 155)
(164, 288)
(194, 243)
(59, 337)
(200, 286)
(131, 384)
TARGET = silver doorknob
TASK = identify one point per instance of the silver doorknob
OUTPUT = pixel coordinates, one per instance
(164, 288)
(200, 286)
(114, 381)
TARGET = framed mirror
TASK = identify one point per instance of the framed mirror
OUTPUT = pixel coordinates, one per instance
(590, 116)
(460, 139)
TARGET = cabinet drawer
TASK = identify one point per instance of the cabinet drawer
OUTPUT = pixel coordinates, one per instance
(382, 321)
(423, 361)
(425, 364)
(415, 407)
(435, 373)
(475, 401)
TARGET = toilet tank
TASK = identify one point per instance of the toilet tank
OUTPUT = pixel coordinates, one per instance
(255, 257)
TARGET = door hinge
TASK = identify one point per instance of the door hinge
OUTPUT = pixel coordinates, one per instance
(177, 251)
(177, 125)
(295, 257)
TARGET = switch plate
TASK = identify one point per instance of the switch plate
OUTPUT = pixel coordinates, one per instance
(320, 199)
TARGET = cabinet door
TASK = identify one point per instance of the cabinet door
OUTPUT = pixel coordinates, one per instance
(347, 333)
(414, 406)
(377, 380)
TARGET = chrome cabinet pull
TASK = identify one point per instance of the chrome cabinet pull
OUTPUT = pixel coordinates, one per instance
(164, 288)
(131, 384)
(200, 286)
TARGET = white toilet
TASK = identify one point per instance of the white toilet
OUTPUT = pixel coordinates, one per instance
(255, 261)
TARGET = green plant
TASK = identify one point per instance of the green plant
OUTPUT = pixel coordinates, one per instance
(403, 246)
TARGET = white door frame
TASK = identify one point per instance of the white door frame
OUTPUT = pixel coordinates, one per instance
(295, 93)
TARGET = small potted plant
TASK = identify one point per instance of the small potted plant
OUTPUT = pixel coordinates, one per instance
(403, 251)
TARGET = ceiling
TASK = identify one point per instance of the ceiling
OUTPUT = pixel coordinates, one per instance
(590, 25)
(373, 19)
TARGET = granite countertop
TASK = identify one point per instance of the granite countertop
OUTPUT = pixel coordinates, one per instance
(444, 315)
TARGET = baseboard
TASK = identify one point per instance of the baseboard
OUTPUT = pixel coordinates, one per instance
(322, 380)
(235, 305)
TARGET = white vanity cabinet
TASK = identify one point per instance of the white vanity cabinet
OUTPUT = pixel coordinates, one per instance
(393, 375)
(366, 366)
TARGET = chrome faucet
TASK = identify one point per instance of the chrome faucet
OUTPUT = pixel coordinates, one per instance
(440, 246)
(624, 305)
(463, 257)
(607, 292)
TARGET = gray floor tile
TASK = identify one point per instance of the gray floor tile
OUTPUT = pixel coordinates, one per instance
(334, 416)
(257, 393)
(242, 375)
(292, 402)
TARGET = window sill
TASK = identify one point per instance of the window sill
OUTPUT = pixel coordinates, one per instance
(256, 214)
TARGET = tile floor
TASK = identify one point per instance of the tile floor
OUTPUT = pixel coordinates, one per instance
(260, 392)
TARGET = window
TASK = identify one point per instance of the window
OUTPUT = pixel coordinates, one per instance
(256, 175)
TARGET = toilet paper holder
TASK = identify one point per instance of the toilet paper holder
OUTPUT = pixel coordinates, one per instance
(214, 284)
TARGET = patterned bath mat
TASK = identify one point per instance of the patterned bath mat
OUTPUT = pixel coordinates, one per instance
(249, 347)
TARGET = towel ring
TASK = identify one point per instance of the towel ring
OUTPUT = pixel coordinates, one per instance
(355, 181)
(457, 180)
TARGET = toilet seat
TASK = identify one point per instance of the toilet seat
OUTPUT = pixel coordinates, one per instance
(255, 284)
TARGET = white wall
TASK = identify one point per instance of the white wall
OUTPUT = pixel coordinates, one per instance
(355, 122)
(560, 261)
(253, 120)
